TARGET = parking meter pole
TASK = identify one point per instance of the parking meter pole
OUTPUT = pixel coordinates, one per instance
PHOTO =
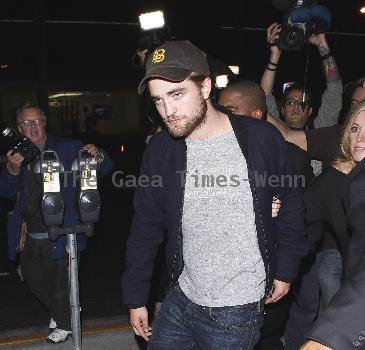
(74, 291)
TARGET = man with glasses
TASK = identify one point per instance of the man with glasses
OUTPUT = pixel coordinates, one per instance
(295, 111)
(44, 263)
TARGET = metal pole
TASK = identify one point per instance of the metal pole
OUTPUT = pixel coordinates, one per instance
(74, 291)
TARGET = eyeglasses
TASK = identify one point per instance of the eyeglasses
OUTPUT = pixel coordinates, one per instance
(36, 121)
(293, 102)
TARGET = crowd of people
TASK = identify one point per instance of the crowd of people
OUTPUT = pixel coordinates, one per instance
(260, 210)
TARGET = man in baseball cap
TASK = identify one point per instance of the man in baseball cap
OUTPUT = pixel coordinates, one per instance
(174, 61)
(222, 266)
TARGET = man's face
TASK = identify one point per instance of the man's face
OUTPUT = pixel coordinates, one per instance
(294, 115)
(233, 101)
(357, 137)
(182, 105)
(358, 95)
(33, 125)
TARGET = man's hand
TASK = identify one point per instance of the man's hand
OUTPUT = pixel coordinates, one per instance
(318, 39)
(94, 151)
(278, 290)
(313, 345)
(139, 321)
(272, 36)
(14, 161)
(275, 207)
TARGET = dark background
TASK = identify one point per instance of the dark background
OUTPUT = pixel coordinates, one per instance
(102, 52)
(95, 50)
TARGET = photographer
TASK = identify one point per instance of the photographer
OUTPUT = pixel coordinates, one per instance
(294, 116)
(44, 262)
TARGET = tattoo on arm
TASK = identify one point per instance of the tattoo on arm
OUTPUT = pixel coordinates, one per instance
(323, 49)
(330, 69)
(329, 65)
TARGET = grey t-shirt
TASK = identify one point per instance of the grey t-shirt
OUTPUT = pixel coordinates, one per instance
(222, 261)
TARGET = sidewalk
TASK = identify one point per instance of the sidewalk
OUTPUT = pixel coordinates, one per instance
(100, 334)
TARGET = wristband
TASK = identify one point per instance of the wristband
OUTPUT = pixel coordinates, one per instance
(272, 69)
(273, 64)
(269, 45)
(324, 57)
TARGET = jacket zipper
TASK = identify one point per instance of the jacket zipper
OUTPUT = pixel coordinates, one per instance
(179, 238)
(263, 230)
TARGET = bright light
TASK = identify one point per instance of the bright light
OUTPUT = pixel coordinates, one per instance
(362, 10)
(122, 148)
(151, 20)
(221, 81)
(234, 69)
(65, 94)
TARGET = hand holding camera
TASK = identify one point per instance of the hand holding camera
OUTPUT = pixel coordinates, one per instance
(272, 37)
(15, 161)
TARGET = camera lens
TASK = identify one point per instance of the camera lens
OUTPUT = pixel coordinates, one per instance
(294, 38)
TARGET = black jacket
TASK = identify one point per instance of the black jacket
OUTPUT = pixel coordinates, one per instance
(156, 208)
(342, 324)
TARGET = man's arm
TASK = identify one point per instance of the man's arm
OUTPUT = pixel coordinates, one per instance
(9, 176)
(105, 163)
(268, 77)
(289, 229)
(146, 234)
(331, 103)
(297, 137)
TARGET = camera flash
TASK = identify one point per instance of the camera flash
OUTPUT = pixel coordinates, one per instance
(151, 20)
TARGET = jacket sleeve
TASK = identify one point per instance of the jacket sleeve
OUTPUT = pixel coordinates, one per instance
(289, 225)
(272, 107)
(145, 236)
(331, 105)
(8, 184)
(315, 217)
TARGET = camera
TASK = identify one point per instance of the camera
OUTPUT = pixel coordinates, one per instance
(303, 19)
(12, 139)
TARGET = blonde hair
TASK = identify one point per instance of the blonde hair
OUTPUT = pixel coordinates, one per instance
(345, 147)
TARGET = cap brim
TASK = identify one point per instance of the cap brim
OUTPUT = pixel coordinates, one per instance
(174, 74)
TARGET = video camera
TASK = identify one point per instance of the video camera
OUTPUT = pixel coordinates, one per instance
(304, 18)
(12, 139)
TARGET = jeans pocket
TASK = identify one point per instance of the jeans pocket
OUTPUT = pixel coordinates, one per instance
(239, 317)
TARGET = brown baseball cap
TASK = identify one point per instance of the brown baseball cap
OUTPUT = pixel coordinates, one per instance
(353, 85)
(174, 61)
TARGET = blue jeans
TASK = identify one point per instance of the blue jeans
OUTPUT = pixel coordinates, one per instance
(183, 325)
(329, 265)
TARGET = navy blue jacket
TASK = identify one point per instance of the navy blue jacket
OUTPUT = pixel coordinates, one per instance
(158, 207)
(10, 185)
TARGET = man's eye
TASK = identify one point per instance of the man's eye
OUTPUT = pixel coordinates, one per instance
(177, 94)
(354, 129)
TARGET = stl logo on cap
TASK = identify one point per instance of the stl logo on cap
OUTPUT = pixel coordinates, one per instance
(158, 56)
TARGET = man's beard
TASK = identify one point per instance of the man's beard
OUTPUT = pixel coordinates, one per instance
(191, 123)
(297, 119)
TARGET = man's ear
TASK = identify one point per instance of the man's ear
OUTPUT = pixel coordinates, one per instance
(206, 87)
(257, 113)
